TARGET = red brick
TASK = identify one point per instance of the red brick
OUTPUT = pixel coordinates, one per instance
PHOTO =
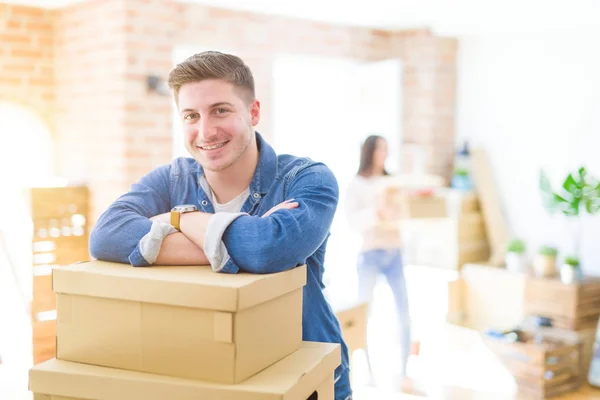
(26, 53)
(40, 81)
(26, 12)
(13, 24)
(41, 26)
(10, 81)
(15, 39)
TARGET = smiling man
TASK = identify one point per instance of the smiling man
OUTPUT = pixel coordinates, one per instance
(236, 204)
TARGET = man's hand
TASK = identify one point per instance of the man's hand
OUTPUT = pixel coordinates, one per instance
(286, 205)
(166, 218)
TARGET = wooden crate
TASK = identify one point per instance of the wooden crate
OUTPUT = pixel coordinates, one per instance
(60, 217)
(575, 306)
(545, 364)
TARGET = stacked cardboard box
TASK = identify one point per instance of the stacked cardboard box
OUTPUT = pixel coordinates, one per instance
(450, 241)
(181, 333)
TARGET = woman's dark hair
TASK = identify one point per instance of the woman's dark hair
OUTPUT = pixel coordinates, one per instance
(366, 155)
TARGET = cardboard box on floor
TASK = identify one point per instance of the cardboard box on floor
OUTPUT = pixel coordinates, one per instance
(444, 242)
(187, 322)
(415, 205)
(353, 320)
(297, 377)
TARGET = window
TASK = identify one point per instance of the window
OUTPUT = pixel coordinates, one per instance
(324, 108)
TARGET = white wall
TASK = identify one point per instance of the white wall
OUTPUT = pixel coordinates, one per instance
(533, 101)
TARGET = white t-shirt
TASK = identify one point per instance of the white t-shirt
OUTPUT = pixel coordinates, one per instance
(363, 197)
(234, 205)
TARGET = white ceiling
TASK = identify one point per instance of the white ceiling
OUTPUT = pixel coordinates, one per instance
(446, 17)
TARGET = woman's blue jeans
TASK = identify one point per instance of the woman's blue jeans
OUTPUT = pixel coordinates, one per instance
(387, 262)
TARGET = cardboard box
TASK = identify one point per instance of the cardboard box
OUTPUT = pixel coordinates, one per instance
(353, 321)
(297, 377)
(485, 297)
(187, 322)
(415, 205)
(444, 242)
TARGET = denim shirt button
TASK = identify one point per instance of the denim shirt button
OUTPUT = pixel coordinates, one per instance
(256, 195)
(204, 202)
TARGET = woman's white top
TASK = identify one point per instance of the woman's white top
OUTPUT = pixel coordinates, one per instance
(363, 197)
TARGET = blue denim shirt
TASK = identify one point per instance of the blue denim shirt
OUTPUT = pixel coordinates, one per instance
(282, 241)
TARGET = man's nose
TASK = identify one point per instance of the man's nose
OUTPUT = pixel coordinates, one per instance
(206, 131)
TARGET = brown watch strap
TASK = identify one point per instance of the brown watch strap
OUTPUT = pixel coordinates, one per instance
(175, 218)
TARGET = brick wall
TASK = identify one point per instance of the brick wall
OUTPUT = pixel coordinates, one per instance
(430, 97)
(110, 130)
(91, 68)
(26, 57)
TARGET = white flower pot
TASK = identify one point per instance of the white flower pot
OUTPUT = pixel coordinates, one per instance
(516, 262)
(544, 266)
(569, 274)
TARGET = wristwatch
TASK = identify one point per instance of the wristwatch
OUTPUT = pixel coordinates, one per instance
(178, 210)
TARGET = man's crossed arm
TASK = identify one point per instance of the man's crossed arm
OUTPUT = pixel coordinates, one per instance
(186, 247)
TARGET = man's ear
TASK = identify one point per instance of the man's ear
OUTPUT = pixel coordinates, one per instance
(255, 112)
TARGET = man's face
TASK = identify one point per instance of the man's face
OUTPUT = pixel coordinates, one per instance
(218, 121)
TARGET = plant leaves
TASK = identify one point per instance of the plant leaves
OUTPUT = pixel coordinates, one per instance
(595, 192)
(545, 185)
(574, 207)
(548, 197)
(554, 203)
(571, 186)
(592, 205)
(589, 205)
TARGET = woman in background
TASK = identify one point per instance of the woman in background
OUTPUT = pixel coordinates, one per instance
(378, 224)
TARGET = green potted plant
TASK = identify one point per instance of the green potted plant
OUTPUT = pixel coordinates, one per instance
(461, 179)
(515, 258)
(544, 262)
(580, 191)
(569, 270)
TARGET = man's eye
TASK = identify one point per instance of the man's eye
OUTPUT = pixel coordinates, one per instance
(191, 116)
(221, 111)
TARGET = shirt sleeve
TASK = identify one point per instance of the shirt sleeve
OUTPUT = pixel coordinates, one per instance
(214, 247)
(151, 242)
(118, 233)
(287, 237)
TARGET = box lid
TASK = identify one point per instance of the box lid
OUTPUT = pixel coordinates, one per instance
(187, 286)
(293, 378)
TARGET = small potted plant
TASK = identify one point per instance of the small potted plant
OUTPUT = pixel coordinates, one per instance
(544, 263)
(461, 179)
(569, 270)
(516, 259)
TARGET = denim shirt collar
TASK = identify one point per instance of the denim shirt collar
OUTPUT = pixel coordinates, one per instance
(264, 175)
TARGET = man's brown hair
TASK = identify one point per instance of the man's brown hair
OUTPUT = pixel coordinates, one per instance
(213, 65)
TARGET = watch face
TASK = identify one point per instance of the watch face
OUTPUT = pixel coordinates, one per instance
(185, 208)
